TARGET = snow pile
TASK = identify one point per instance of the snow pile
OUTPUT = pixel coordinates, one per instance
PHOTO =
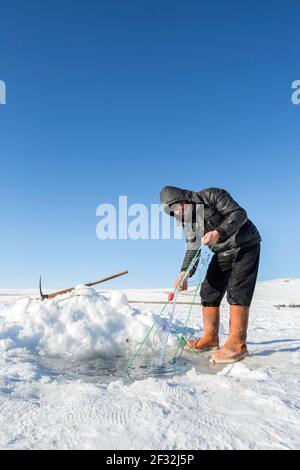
(78, 324)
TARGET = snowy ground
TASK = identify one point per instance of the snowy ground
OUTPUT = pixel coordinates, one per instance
(62, 385)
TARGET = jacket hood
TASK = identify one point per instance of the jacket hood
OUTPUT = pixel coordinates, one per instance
(171, 195)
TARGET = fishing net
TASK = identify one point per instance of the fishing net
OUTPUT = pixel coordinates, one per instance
(159, 356)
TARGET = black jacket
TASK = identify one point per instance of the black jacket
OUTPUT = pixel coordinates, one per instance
(221, 213)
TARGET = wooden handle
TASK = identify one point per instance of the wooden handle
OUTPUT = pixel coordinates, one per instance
(107, 278)
(87, 284)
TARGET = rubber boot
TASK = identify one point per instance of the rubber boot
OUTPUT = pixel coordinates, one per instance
(235, 347)
(210, 338)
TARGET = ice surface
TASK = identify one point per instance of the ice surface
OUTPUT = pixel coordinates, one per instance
(47, 402)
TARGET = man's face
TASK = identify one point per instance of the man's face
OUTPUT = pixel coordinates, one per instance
(179, 209)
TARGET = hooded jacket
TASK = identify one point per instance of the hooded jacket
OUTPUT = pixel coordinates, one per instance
(221, 212)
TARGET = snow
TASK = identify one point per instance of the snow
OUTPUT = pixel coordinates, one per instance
(54, 393)
(79, 324)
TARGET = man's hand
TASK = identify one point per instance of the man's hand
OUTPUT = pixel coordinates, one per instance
(211, 238)
(182, 285)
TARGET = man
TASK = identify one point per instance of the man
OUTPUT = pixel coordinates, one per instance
(236, 243)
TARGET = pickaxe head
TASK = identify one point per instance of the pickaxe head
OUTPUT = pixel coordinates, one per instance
(43, 296)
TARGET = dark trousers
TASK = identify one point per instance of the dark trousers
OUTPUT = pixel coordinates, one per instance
(234, 272)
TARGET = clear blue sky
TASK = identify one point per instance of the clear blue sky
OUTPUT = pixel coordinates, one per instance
(106, 98)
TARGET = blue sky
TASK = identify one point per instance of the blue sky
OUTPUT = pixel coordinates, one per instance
(114, 98)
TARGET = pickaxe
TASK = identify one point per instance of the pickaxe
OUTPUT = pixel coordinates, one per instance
(70, 289)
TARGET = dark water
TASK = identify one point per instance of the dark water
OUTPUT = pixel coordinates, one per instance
(106, 369)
